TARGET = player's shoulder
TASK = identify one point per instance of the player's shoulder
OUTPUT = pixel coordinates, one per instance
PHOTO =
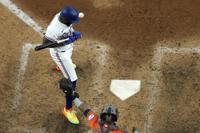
(54, 26)
(55, 19)
(91, 116)
(57, 15)
(92, 119)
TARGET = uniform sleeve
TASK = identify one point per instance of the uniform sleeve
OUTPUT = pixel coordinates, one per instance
(46, 40)
(92, 119)
(72, 29)
(68, 32)
(90, 116)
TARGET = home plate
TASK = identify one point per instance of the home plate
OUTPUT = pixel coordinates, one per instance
(125, 88)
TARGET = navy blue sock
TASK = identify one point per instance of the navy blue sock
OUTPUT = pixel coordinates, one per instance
(74, 85)
(68, 102)
(69, 98)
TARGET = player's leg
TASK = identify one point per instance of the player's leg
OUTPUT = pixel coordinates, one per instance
(65, 63)
(63, 60)
(53, 54)
(58, 68)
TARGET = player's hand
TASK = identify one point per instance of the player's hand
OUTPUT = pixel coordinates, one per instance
(77, 34)
(71, 40)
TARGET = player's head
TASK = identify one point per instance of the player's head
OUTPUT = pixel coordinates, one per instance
(69, 15)
(109, 115)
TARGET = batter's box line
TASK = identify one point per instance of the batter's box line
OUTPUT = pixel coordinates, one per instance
(22, 15)
(20, 75)
(154, 90)
(25, 49)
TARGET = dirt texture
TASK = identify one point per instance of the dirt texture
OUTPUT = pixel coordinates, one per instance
(119, 41)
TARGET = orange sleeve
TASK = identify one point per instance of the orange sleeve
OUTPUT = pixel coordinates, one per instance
(92, 119)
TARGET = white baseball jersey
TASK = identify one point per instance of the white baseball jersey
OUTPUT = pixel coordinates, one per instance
(61, 55)
(56, 30)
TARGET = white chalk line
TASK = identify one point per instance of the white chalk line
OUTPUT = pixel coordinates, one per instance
(25, 49)
(22, 15)
(27, 129)
(155, 90)
(20, 75)
(29, 21)
(107, 4)
(23, 60)
(102, 60)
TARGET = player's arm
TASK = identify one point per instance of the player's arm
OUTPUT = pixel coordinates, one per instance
(90, 116)
(72, 38)
(66, 40)
(47, 43)
(82, 106)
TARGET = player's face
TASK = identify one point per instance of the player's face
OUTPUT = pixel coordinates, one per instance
(64, 21)
(68, 23)
(105, 128)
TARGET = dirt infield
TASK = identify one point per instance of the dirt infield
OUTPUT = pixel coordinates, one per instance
(177, 91)
(14, 34)
(178, 106)
(120, 38)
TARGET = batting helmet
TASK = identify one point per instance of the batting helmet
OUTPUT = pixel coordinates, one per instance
(70, 14)
(109, 114)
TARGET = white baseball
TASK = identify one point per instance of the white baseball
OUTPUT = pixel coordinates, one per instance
(81, 15)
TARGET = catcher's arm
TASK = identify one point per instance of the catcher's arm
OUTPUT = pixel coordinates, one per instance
(82, 106)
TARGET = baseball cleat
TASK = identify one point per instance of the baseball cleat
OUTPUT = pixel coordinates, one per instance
(71, 116)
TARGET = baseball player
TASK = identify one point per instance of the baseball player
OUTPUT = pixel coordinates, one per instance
(61, 28)
(103, 123)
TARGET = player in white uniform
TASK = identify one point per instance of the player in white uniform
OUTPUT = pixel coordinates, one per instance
(61, 28)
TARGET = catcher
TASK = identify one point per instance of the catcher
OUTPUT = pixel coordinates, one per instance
(103, 123)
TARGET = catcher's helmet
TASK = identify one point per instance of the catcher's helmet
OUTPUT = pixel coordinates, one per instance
(109, 114)
(70, 14)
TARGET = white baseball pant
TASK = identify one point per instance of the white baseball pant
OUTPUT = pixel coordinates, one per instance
(63, 59)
